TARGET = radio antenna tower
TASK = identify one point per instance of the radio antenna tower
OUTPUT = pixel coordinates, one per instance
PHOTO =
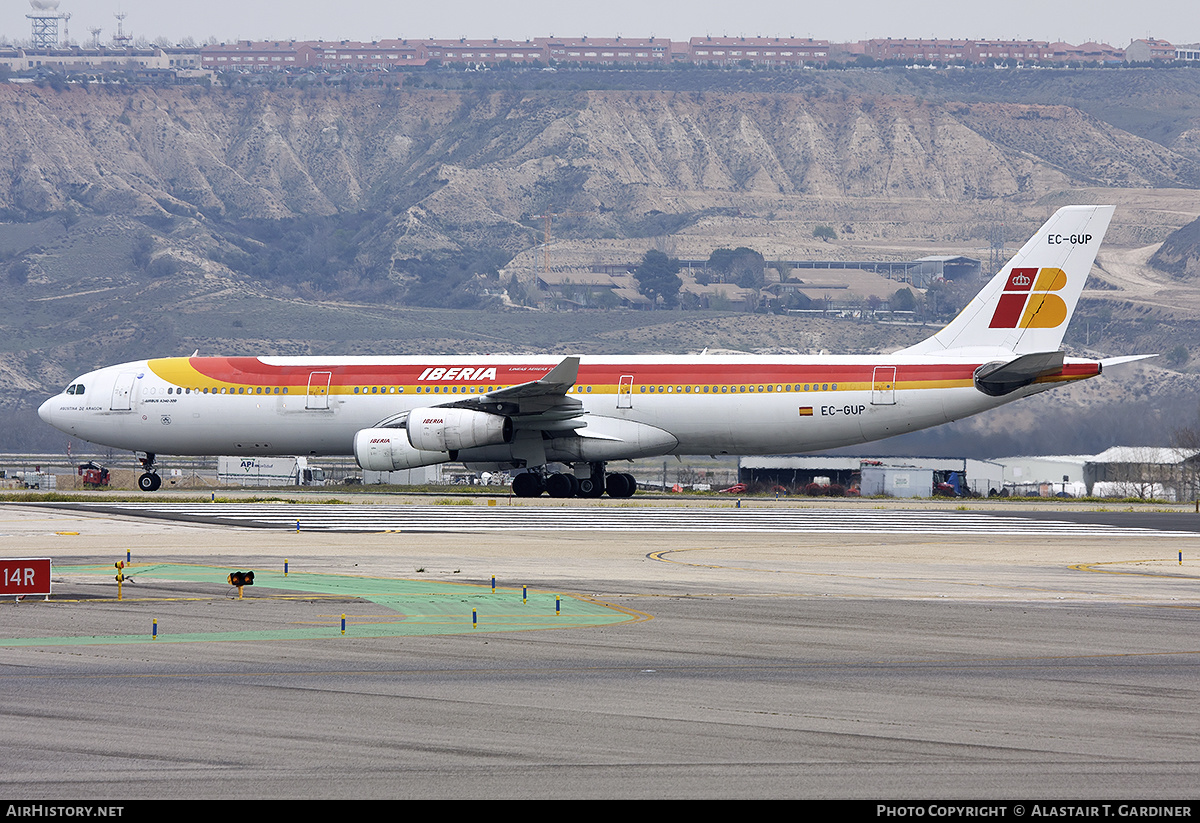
(121, 40)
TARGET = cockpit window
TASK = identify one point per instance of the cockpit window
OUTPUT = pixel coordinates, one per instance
(75, 388)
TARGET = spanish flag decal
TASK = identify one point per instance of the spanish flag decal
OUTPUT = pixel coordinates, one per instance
(806, 411)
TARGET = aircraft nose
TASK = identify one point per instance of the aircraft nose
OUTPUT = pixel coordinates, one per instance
(46, 411)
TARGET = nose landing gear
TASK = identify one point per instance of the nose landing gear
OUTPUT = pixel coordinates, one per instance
(148, 480)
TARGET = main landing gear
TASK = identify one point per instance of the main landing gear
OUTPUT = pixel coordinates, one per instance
(532, 484)
(148, 480)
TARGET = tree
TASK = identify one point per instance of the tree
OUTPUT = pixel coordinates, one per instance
(738, 264)
(903, 300)
(1186, 440)
(825, 233)
(658, 276)
(18, 273)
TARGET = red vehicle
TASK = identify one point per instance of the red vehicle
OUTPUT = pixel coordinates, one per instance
(93, 475)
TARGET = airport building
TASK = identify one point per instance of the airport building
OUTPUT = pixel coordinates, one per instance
(884, 476)
(1122, 471)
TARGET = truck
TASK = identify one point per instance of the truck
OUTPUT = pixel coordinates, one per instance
(92, 475)
(268, 471)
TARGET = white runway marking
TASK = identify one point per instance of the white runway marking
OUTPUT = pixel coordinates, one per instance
(481, 518)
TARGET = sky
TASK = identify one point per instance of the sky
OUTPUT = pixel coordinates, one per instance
(1073, 21)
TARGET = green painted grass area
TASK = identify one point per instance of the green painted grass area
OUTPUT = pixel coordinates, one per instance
(422, 607)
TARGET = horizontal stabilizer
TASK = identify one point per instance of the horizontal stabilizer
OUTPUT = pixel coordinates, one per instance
(1129, 358)
(998, 379)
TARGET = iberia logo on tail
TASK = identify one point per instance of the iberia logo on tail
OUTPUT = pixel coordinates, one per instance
(1029, 301)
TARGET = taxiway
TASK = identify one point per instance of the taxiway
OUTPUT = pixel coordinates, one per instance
(1046, 661)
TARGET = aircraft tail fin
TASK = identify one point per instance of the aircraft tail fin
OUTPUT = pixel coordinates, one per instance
(1027, 306)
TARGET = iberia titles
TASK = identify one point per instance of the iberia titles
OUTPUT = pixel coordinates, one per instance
(468, 374)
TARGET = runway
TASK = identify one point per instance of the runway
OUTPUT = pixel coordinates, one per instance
(990, 656)
(468, 515)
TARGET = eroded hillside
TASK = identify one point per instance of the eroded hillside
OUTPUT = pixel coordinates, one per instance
(152, 221)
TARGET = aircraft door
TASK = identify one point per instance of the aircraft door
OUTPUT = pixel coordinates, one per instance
(883, 386)
(625, 392)
(318, 390)
(122, 396)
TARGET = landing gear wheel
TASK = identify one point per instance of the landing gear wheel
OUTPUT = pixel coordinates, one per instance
(588, 487)
(527, 484)
(149, 482)
(620, 485)
(562, 485)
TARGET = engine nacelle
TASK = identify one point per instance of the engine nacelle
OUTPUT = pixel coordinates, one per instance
(388, 450)
(448, 430)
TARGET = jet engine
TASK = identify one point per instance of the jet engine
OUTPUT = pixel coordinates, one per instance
(387, 450)
(446, 429)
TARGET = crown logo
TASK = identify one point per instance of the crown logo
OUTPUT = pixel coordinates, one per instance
(1021, 308)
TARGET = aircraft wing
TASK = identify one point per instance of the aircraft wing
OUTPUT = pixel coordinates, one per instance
(541, 404)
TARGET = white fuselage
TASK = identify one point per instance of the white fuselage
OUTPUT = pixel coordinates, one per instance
(707, 404)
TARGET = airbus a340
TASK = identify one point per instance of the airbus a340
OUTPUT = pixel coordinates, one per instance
(524, 412)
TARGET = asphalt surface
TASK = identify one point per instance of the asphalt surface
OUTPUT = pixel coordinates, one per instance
(983, 664)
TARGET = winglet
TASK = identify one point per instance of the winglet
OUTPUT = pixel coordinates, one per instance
(556, 382)
(563, 376)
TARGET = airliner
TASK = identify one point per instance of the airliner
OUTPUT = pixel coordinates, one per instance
(523, 413)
